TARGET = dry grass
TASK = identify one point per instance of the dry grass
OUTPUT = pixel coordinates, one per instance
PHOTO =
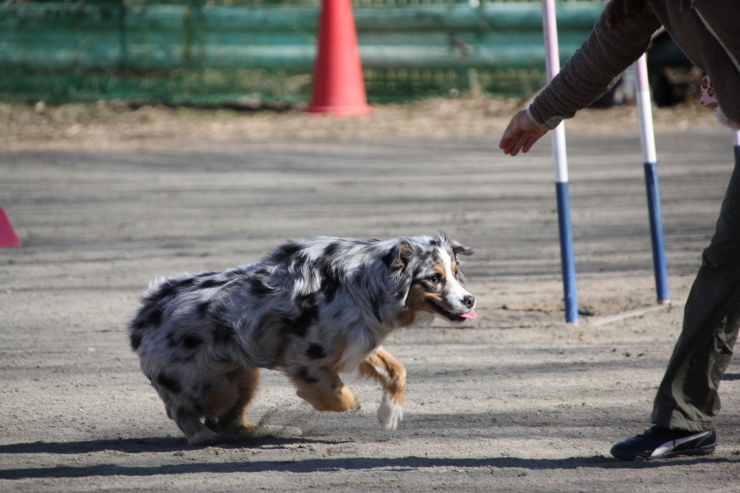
(117, 125)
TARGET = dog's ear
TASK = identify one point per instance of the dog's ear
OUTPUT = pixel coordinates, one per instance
(398, 258)
(457, 247)
(460, 249)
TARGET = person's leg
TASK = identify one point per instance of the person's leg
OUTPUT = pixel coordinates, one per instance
(686, 405)
(687, 397)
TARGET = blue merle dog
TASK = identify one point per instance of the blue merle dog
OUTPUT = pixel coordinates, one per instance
(311, 309)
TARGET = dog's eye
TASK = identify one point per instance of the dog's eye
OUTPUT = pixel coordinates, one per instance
(435, 279)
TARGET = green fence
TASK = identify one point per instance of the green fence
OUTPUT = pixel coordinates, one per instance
(197, 52)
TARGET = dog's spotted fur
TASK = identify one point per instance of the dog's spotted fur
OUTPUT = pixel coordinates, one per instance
(312, 309)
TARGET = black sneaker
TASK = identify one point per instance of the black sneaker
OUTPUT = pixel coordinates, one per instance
(658, 442)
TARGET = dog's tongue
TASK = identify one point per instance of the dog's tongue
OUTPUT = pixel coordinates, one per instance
(471, 314)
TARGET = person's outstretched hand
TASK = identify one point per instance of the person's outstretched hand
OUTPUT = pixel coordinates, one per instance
(520, 134)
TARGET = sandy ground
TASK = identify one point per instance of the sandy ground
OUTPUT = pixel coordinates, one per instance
(106, 198)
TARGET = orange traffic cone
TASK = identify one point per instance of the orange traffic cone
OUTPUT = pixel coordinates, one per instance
(338, 88)
(8, 237)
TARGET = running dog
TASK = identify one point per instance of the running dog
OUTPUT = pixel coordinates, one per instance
(311, 309)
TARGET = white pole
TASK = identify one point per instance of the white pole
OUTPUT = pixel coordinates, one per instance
(644, 108)
(552, 64)
(552, 59)
(649, 159)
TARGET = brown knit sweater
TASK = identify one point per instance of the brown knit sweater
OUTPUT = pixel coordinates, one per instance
(708, 31)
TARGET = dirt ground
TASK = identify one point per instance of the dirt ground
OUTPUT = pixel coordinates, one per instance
(105, 198)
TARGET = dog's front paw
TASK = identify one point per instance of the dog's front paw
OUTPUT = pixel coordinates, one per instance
(390, 413)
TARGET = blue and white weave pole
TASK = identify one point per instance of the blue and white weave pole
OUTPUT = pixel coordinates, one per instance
(649, 158)
(552, 59)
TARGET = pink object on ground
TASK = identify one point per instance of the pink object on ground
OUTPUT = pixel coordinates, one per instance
(8, 238)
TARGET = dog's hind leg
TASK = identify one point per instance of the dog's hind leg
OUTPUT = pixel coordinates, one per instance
(229, 398)
(321, 388)
(234, 419)
(384, 368)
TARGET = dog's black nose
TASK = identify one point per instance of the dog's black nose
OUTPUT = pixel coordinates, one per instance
(469, 301)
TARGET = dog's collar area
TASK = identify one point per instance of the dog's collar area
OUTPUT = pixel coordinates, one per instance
(449, 315)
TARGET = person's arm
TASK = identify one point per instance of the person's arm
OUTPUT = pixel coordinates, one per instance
(592, 70)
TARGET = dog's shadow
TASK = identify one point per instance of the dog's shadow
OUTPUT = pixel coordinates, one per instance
(153, 444)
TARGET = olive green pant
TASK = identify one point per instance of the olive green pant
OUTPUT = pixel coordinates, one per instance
(687, 398)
